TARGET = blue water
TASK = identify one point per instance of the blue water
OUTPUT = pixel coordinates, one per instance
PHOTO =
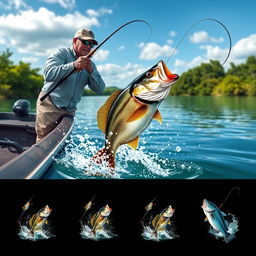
(200, 138)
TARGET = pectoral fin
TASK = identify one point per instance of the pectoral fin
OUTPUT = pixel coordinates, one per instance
(139, 113)
(205, 219)
(102, 114)
(224, 214)
(134, 143)
(158, 117)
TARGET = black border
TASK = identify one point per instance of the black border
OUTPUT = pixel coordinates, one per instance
(128, 199)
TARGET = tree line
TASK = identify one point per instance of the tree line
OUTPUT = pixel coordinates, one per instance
(22, 81)
(212, 79)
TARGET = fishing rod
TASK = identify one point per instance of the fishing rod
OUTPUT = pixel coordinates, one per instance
(90, 54)
(209, 19)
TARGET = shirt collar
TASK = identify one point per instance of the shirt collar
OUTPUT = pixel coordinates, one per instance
(73, 51)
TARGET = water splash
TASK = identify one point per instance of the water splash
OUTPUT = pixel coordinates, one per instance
(130, 164)
(149, 234)
(25, 234)
(86, 233)
(232, 227)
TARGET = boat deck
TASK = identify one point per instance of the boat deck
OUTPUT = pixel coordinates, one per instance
(21, 131)
(17, 123)
(6, 155)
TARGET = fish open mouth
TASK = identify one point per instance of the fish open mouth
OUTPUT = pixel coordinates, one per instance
(165, 75)
(156, 84)
(204, 204)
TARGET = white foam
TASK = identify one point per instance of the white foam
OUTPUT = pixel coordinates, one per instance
(76, 158)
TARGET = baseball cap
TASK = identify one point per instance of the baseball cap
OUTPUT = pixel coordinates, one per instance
(85, 34)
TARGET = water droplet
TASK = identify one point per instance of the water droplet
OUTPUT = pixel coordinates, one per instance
(178, 149)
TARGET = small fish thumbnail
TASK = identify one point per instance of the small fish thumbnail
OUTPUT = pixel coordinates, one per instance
(158, 227)
(96, 225)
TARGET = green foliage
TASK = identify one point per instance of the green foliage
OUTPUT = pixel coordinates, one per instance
(211, 79)
(18, 81)
(193, 80)
(5, 91)
(230, 85)
(206, 86)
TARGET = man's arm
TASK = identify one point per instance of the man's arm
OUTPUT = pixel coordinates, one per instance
(56, 66)
(95, 82)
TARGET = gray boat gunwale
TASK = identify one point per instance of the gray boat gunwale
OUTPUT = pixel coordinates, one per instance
(34, 161)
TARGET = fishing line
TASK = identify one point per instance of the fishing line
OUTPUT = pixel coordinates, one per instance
(229, 195)
(209, 19)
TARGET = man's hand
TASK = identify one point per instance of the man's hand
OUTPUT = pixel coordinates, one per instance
(83, 62)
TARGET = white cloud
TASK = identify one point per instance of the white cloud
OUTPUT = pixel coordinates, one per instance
(203, 37)
(101, 55)
(190, 64)
(214, 52)
(169, 41)
(172, 33)
(151, 51)
(120, 76)
(39, 32)
(121, 48)
(244, 48)
(67, 4)
(99, 12)
(30, 59)
(14, 4)
(3, 41)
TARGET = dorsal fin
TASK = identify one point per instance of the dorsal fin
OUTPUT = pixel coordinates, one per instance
(102, 114)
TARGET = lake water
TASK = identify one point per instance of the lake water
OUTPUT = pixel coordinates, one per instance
(200, 138)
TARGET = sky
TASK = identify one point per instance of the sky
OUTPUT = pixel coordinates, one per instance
(32, 29)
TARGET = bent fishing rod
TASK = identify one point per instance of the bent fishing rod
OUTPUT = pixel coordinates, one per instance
(89, 55)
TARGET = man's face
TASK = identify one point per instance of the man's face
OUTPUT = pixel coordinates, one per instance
(80, 48)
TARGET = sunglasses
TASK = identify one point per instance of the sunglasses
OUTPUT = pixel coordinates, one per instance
(86, 42)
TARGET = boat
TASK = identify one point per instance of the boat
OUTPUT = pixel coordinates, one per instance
(20, 156)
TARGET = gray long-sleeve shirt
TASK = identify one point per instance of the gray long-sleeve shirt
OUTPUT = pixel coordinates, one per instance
(69, 93)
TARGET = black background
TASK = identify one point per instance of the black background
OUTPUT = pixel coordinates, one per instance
(128, 199)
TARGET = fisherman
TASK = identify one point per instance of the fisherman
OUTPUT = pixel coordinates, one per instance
(63, 100)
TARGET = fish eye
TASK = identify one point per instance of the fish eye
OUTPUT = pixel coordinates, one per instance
(149, 75)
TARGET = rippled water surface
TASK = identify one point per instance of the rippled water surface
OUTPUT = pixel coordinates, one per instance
(201, 137)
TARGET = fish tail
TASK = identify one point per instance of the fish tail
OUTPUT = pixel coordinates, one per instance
(229, 237)
(105, 156)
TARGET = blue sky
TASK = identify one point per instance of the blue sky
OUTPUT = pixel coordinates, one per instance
(31, 29)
